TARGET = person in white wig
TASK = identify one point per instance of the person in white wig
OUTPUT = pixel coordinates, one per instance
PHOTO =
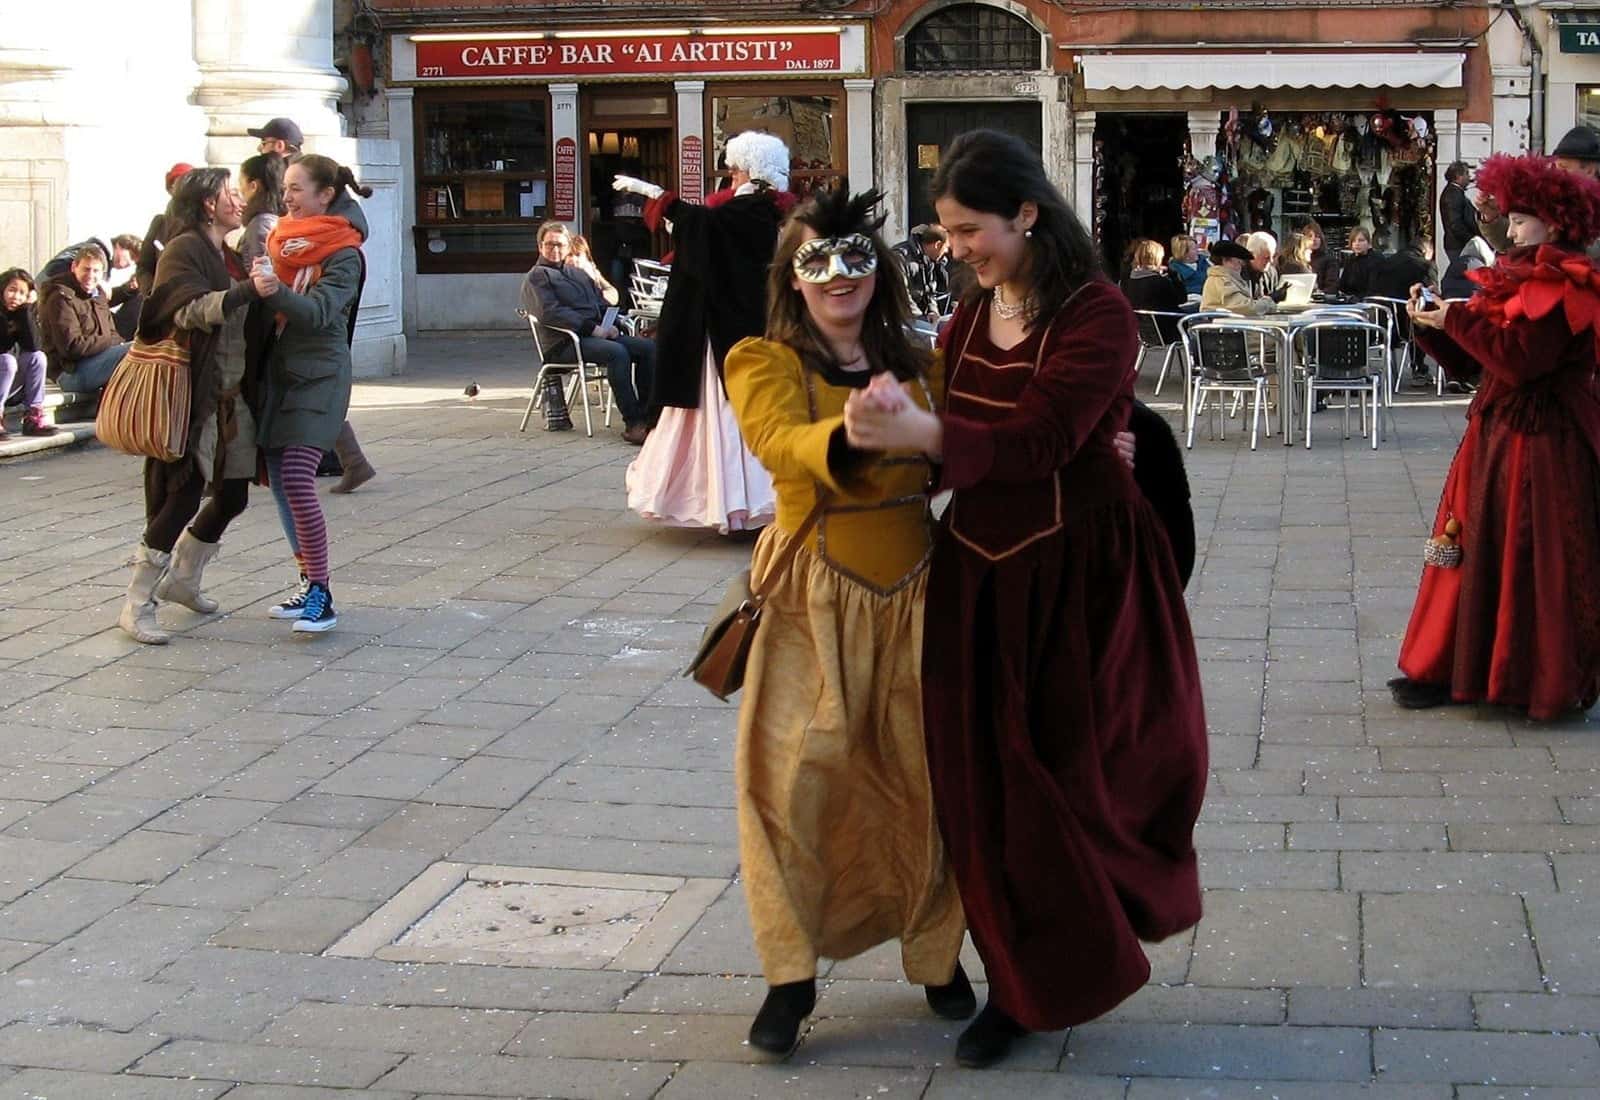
(694, 469)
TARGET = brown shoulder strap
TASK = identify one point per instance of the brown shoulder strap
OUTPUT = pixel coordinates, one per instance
(785, 558)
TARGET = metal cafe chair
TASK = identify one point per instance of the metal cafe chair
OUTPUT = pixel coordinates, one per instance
(1348, 357)
(1158, 331)
(580, 376)
(648, 286)
(1225, 363)
(1186, 351)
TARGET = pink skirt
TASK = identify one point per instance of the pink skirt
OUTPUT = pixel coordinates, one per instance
(695, 471)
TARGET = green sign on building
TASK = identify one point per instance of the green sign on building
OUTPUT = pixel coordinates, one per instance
(1579, 31)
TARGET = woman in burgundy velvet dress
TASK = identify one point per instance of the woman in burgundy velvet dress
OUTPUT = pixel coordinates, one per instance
(1061, 695)
(1508, 610)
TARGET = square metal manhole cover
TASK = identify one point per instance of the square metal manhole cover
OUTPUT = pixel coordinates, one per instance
(532, 916)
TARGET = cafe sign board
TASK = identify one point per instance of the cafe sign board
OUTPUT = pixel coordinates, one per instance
(751, 51)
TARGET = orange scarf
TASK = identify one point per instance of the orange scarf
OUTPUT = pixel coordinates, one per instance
(298, 246)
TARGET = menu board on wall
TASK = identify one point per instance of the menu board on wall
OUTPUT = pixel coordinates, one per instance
(691, 169)
(566, 182)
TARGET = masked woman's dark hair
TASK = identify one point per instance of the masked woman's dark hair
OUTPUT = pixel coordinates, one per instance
(884, 329)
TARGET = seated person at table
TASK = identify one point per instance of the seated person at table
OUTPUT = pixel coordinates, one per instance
(564, 295)
(1149, 286)
(1262, 270)
(1294, 255)
(76, 326)
(1188, 264)
(1227, 286)
(1360, 270)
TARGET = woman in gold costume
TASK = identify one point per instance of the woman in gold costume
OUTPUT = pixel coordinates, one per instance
(839, 845)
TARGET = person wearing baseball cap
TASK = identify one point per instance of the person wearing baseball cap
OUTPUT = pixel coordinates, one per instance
(280, 136)
(1226, 286)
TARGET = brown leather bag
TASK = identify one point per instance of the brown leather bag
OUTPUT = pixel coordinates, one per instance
(719, 664)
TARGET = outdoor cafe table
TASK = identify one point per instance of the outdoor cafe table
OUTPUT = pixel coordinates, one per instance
(1282, 322)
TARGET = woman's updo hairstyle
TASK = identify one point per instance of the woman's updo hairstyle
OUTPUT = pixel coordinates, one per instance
(327, 172)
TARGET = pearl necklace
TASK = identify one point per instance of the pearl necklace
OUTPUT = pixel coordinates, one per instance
(1010, 311)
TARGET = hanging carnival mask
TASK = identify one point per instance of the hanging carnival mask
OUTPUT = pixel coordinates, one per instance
(823, 259)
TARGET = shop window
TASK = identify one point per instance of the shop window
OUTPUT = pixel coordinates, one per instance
(1275, 171)
(812, 126)
(1589, 105)
(973, 38)
(483, 178)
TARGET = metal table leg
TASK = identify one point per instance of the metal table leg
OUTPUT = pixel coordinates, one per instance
(1287, 409)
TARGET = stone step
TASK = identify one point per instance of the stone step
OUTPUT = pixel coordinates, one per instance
(17, 446)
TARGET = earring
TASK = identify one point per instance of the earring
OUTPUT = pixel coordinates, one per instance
(1027, 233)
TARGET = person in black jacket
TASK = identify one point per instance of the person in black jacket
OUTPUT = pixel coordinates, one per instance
(1149, 286)
(20, 352)
(1395, 276)
(925, 262)
(1360, 267)
(155, 237)
(564, 295)
(1457, 216)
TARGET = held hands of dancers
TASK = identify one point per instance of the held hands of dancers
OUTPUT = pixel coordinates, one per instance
(883, 417)
(638, 186)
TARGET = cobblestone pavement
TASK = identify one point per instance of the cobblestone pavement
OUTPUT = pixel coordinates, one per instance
(211, 854)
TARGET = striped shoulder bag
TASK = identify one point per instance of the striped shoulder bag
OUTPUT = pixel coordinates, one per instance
(145, 407)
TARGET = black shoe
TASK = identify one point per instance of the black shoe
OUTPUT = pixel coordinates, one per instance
(954, 1000)
(330, 466)
(1416, 695)
(777, 1026)
(988, 1038)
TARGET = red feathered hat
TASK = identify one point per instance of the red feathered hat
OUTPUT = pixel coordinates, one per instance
(1567, 202)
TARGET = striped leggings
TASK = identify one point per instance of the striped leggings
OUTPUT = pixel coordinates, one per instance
(293, 471)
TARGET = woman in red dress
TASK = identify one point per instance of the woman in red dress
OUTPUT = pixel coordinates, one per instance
(1061, 695)
(1508, 610)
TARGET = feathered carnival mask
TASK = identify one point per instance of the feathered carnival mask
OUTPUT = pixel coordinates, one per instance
(1567, 202)
(844, 246)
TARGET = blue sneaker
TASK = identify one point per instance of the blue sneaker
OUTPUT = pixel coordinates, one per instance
(294, 605)
(318, 615)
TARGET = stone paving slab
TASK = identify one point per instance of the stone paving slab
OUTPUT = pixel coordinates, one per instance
(1398, 904)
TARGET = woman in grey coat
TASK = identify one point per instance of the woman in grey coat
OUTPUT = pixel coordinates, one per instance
(311, 281)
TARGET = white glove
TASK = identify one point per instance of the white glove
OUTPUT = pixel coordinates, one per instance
(637, 186)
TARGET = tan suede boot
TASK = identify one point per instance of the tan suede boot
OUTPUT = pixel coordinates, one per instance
(181, 583)
(357, 470)
(138, 616)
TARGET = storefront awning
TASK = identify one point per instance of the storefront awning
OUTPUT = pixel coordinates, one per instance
(1153, 71)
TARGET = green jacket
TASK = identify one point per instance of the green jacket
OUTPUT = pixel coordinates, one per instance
(307, 376)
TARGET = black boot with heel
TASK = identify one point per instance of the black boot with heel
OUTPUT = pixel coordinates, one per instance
(777, 1026)
(953, 1000)
(988, 1038)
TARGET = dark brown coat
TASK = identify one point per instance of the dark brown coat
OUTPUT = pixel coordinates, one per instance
(73, 325)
